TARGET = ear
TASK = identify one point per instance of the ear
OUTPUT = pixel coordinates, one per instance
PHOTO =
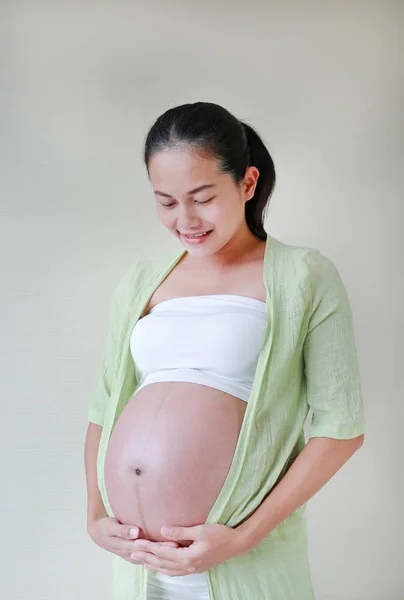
(250, 182)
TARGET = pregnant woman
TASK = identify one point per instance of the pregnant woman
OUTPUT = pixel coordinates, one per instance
(197, 467)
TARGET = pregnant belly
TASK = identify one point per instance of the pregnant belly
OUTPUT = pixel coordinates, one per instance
(169, 454)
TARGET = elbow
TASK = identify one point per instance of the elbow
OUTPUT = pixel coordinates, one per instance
(360, 441)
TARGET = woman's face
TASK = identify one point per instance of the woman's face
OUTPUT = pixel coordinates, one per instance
(193, 197)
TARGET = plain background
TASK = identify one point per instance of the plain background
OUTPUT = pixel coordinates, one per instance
(81, 83)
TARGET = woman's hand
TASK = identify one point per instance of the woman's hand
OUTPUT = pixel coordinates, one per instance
(212, 545)
(112, 535)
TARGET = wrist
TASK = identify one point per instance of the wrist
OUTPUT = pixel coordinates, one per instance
(93, 520)
(252, 531)
(245, 539)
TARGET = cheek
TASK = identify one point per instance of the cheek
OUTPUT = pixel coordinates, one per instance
(223, 213)
(166, 218)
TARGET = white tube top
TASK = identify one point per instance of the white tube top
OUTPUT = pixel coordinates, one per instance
(213, 340)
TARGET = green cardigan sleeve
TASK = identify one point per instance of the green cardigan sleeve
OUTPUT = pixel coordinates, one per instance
(101, 392)
(331, 367)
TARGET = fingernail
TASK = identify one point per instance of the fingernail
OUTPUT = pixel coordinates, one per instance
(134, 532)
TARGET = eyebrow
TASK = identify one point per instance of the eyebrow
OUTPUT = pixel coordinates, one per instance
(194, 191)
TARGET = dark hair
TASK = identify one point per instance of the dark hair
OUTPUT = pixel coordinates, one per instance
(214, 132)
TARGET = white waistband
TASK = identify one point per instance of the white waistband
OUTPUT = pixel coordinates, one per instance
(234, 387)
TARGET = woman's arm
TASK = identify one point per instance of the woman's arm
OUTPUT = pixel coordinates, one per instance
(95, 506)
(316, 464)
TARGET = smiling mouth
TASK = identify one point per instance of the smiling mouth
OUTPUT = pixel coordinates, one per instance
(196, 234)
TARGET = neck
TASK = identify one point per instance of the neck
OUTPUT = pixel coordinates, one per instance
(242, 247)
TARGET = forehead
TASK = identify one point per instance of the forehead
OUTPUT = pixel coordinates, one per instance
(181, 168)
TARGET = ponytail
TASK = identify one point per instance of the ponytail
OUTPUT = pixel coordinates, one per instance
(259, 157)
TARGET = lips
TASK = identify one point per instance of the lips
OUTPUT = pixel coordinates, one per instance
(197, 239)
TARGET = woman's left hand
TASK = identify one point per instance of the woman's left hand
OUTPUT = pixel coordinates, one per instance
(211, 545)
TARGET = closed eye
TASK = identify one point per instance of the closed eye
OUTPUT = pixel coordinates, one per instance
(203, 201)
(197, 202)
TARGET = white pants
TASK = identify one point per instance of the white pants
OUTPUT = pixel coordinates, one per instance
(184, 587)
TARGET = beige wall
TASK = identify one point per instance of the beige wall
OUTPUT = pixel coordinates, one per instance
(81, 83)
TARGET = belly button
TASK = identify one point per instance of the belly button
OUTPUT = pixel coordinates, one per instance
(138, 471)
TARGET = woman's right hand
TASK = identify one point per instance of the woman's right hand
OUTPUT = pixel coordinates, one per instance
(113, 536)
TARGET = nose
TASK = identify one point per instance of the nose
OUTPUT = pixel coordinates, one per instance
(187, 218)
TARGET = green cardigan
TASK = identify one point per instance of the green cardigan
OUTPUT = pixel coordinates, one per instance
(307, 360)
